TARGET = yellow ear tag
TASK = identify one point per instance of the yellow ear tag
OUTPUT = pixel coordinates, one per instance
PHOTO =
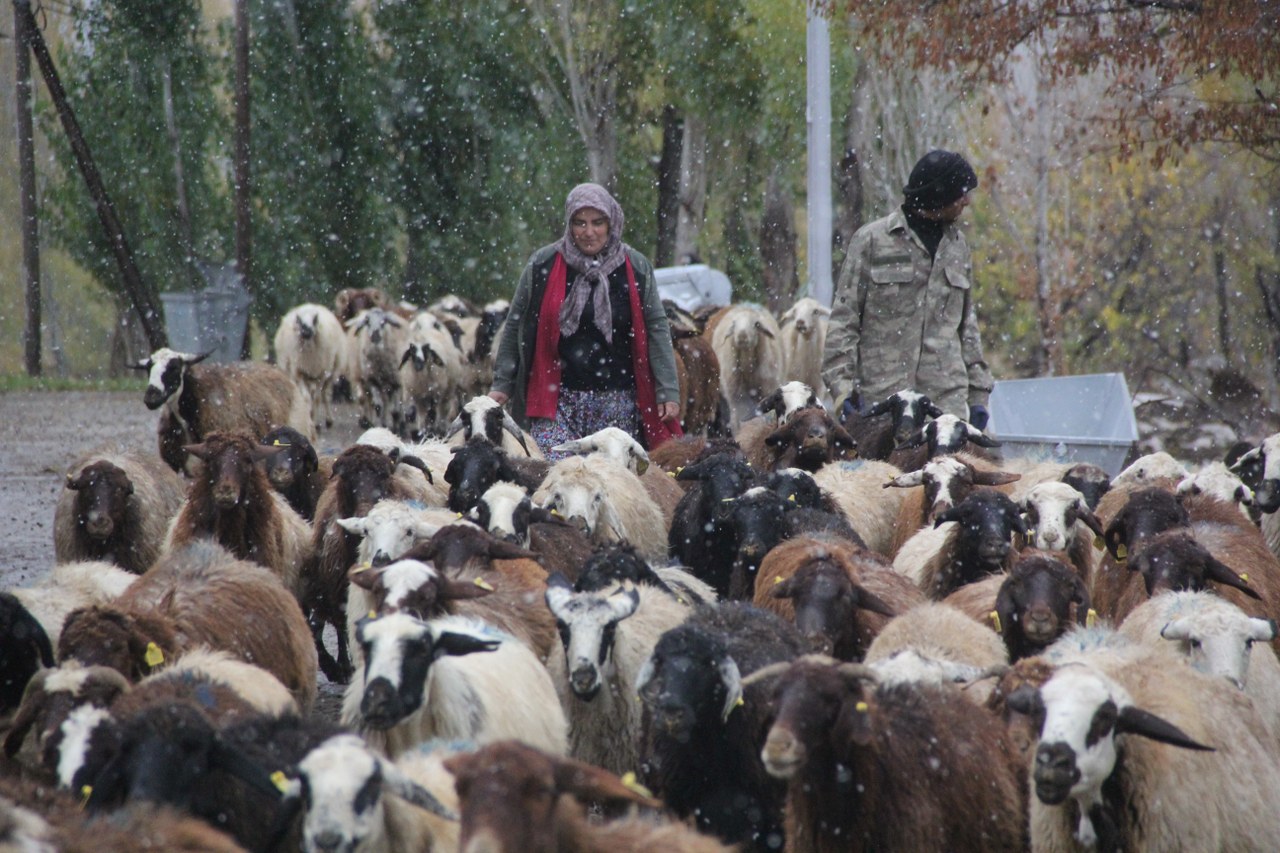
(85, 792)
(679, 469)
(278, 443)
(1091, 618)
(1122, 553)
(555, 512)
(861, 707)
(373, 614)
(630, 782)
(280, 781)
(1244, 576)
(777, 580)
(1098, 543)
(459, 515)
(995, 622)
(69, 477)
(791, 498)
(154, 657)
(483, 584)
(363, 567)
(740, 702)
(671, 474)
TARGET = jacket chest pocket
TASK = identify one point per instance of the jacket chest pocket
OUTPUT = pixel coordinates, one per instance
(957, 291)
(893, 292)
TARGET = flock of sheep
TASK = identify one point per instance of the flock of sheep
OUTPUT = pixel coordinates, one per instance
(780, 632)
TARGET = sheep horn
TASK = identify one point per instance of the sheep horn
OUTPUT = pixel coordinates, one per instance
(512, 427)
(33, 700)
(414, 462)
(454, 428)
(766, 672)
(857, 671)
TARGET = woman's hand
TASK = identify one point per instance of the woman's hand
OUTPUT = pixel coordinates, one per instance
(668, 411)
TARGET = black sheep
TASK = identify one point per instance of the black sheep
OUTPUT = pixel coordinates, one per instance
(701, 534)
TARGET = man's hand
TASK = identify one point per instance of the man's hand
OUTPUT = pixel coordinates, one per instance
(978, 416)
(851, 404)
(668, 411)
(498, 397)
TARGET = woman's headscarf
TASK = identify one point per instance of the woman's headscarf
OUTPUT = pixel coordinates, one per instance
(591, 269)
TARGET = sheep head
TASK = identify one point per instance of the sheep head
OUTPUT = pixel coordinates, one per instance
(102, 491)
(166, 373)
(588, 623)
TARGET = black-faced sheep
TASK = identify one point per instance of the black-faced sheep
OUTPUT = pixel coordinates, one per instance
(311, 348)
(608, 636)
(701, 535)
(507, 511)
(945, 434)
(967, 542)
(197, 595)
(452, 677)
(884, 767)
(480, 463)
(378, 342)
(116, 507)
(877, 437)
(945, 482)
(485, 416)
(232, 503)
(295, 470)
(700, 752)
(808, 440)
(516, 799)
(1089, 480)
(611, 565)
(608, 502)
(200, 399)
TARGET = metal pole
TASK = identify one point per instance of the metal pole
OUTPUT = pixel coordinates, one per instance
(27, 182)
(818, 74)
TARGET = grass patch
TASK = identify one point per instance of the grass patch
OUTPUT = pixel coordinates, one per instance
(22, 382)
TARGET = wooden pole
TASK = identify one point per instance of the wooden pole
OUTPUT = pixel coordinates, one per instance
(244, 221)
(27, 183)
(146, 308)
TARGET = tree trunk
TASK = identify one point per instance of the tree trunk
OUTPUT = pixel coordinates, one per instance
(781, 279)
(27, 182)
(668, 180)
(1049, 356)
(186, 234)
(693, 189)
(1222, 284)
(1268, 283)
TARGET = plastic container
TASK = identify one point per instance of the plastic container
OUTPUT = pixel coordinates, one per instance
(693, 286)
(1066, 419)
(212, 320)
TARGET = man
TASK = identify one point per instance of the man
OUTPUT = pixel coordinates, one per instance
(903, 313)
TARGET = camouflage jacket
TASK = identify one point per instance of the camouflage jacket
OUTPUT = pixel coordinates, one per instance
(901, 321)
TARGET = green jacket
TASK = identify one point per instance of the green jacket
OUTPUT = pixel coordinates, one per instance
(901, 321)
(516, 347)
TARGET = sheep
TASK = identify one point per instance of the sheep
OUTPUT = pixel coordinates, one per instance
(295, 471)
(311, 347)
(1217, 481)
(1217, 638)
(480, 358)
(1059, 519)
(787, 399)
(936, 643)
(485, 416)
(877, 438)
(515, 798)
(423, 680)
(418, 459)
(968, 541)
(1029, 607)
(702, 729)
(942, 435)
(233, 504)
(1104, 774)
(804, 335)
(197, 595)
(698, 372)
(362, 476)
(608, 502)
(746, 341)
(1266, 497)
(116, 507)
(507, 511)
(809, 440)
(701, 533)
(608, 635)
(357, 801)
(876, 766)
(27, 649)
(430, 375)
(480, 463)
(1149, 469)
(378, 338)
(621, 448)
(838, 595)
(201, 399)
(1089, 480)
(945, 482)
(610, 565)
(857, 489)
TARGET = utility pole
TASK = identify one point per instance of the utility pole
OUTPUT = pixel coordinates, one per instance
(27, 187)
(244, 222)
(818, 78)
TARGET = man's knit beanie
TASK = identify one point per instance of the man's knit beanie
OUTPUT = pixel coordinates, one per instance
(940, 178)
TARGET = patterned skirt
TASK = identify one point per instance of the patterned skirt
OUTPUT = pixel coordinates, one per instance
(580, 413)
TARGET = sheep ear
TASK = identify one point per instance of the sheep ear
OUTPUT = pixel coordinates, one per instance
(408, 354)
(772, 403)
(435, 356)
(1218, 571)
(356, 524)
(944, 517)
(1083, 513)
(1016, 521)
(994, 478)
(75, 484)
(1005, 610)
(874, 603)
(410, 791)
(238, 764)
(980, 438)
(642, 460)
(907, 480)
(199, 451)
(558, 595)
(931, 408)
(624, 602)
(33, 702)
(499, 550)
(777, 437)
(645, 675)
(369, 579)
(915, 441)
(452, 589)
(732, 686)
(1082, 600)
(843, 441)
(1135, 721)
(455, 427)
(1113, 538)
(784, 589)
(1245, 459)
(588, 782)
(1178, 629)
(764, 330)
(881, 408)
(1262, 630)
(574, 446)
(456, 644)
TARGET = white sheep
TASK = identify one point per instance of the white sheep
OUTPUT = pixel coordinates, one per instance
(1123, 737)
(858, 489)
(379, 344)
(1059, 519)
(311, 348)
(609, 501)
(608, 635)
(431, 373)
(804, 336)
(620, 447)
(747, 341)
(1147, 470)
(1217, 480)
(359, 802)
(452, 677)
(935, 643)
(70, 586)
(1217, 638)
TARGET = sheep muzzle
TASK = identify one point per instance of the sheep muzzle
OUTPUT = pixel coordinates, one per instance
(585, 682)
(783, 753)
(380, 706)
(1055, 772)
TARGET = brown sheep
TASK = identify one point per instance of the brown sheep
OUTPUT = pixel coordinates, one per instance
(116, 508)
(699, 372)
(841, 617)
(232, 503)
(200, 399)
(198, 595)
(810, 439)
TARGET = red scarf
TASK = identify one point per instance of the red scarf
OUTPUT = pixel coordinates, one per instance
(543, 392)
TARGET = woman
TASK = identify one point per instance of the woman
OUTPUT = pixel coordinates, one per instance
(586, 345)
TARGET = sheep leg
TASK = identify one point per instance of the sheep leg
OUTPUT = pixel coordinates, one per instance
(332, 669)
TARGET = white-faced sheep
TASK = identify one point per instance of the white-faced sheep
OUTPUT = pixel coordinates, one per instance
(1149, 470)
(311, 348)
(747, 342)
(789, 398)
(621, 448)
(804, 335)
(430, 375)
(200, 399)
(1217, 481)
(198, 595)
(1140, 752)
(608, 501)
(357, 801)
(116, 507)
(1059, 519)
(379, 343)
(877, 437)
(1266, 496)
(857, 488)
(451, 677)
(876, 766)
(608, 635)
(942, 435)
(507, 511)
(516, 799)
(478, 464)
(484, 416)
